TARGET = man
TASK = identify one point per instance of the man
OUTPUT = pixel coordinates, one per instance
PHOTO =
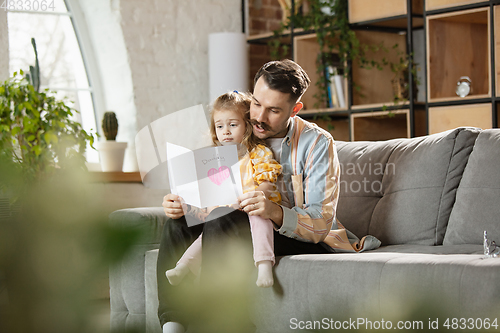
(309, 183)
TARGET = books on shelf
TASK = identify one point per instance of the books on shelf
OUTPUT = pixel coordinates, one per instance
(335, 87)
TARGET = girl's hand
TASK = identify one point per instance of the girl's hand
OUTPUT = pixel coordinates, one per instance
(266, 187)
(173, 206)
(236, 207)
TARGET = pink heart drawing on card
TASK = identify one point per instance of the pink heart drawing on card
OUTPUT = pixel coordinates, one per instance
(218, 176)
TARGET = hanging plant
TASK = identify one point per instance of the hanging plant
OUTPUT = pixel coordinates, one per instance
(400, 83)
(329, 20)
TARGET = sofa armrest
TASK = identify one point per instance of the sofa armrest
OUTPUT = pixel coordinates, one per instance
(127, 278)
(152, 321)
(147, 220)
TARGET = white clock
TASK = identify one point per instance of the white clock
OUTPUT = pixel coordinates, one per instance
(463, 86)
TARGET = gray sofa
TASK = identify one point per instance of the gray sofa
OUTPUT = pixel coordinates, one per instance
(428, 200)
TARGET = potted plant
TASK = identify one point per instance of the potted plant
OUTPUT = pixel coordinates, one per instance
(37, 132)
(38, 137)
(111, 152)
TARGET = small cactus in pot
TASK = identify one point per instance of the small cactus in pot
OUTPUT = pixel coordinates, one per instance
(111, 152)
(110, 125)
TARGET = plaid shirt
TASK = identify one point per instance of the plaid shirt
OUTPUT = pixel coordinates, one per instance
(311, 170)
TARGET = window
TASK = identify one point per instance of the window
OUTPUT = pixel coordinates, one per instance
(62, 67)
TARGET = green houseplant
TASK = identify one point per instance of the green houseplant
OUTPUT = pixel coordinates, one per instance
(37, 131)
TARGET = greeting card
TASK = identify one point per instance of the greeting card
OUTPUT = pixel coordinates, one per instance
(204, 177)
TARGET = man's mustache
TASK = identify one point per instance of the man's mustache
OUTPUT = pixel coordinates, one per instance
(262, 125)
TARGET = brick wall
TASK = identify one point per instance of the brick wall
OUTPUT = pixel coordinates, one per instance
(4, 47)
(264, 16)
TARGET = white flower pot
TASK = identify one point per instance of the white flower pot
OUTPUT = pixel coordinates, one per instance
(111, 154)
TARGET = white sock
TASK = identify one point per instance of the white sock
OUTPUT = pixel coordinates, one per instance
(172, 327)
(265, 277)
(177, 274)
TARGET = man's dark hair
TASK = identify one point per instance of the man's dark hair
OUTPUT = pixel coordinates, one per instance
(285, 76)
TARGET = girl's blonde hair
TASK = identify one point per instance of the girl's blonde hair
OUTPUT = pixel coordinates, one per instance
(238, 102)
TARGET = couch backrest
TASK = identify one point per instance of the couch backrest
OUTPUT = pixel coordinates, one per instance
(477, 207)
(402, 191)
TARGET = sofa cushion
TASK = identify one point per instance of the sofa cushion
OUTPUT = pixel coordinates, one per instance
(438, 249)
(477, 206)
(390, 281)
(378, 285)
(402, 191)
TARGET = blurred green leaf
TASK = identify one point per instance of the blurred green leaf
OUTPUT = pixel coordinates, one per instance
(118, 241)
(37, 150)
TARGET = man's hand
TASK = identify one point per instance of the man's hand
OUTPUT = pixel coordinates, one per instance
(256, 203)
(173, 206)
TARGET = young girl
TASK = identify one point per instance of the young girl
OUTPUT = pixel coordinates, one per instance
(230, 124)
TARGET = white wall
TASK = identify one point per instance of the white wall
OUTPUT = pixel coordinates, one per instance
(167, 45)
(4, 47)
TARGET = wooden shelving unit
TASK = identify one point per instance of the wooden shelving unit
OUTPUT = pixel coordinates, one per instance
(496, 25)
(306, 52)
(381, 125)
(337, 126)
(386, 125)
(375, 85)
(460, 39)
(443, 4)
(379, 22)
(458, 46)
(462, 42)
(372, 112)
(445, 117)
(369, 10)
